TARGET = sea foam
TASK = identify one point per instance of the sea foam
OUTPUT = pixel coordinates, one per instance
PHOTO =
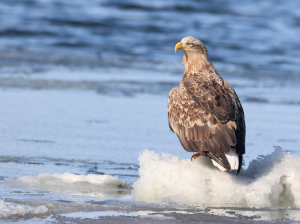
(272, 180)
(91, 184)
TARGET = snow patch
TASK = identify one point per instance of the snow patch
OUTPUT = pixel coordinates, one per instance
(272, 180)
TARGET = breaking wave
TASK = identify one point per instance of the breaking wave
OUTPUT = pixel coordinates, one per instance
(272, 180)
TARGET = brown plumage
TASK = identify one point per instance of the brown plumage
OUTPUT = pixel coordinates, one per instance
(204, 111)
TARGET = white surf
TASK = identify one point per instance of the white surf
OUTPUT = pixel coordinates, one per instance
(10, 209)
(93, 185)
(272, 180)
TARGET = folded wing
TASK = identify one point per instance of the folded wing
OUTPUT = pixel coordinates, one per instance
(207, 116)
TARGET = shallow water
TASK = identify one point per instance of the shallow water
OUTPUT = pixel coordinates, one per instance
(77, 150)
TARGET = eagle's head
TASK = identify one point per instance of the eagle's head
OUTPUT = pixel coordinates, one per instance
(191, 45)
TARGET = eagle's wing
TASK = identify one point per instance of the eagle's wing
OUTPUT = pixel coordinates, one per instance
(207, 116)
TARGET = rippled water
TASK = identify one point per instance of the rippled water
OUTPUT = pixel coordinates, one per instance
(251, 38)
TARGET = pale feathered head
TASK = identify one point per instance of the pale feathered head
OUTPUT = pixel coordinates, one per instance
(191, 45)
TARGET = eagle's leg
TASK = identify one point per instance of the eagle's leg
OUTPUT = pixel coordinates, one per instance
(201, 153)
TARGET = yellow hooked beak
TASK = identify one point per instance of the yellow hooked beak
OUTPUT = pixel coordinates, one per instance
(179, 46)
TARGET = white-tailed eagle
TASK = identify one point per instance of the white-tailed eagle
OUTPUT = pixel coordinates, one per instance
(205, 112)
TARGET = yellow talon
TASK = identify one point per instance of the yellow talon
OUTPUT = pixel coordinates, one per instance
(201, 153)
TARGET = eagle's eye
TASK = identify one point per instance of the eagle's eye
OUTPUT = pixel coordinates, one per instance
(191, 45)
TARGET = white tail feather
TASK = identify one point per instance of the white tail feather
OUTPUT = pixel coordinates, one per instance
(233, 159)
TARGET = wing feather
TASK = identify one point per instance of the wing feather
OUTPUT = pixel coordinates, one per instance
(221, 160)
(207, 116)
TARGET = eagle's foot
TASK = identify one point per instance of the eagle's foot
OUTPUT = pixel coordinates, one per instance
(198, 154)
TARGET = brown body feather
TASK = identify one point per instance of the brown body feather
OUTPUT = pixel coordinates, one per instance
(205, 112)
